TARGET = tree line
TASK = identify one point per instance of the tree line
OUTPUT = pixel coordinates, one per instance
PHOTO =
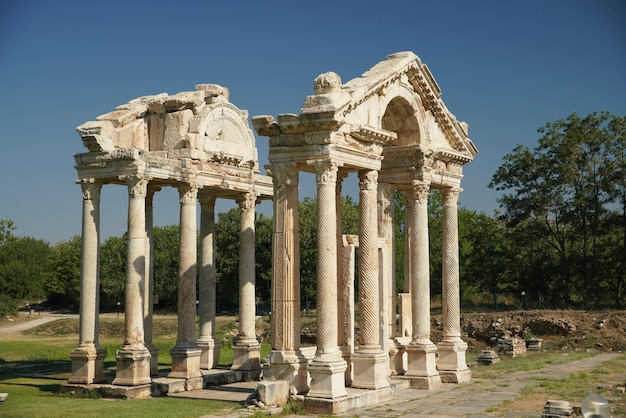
(558, 241)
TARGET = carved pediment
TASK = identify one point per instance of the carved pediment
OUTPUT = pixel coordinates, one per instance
(364, 101)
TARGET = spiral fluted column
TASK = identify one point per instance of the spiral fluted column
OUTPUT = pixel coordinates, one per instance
(452, 364)
(328, 367)
(371, 365)
(207, 283)
(246, 350)
(88, 357)
(394, 343)
(421, 351)
(186, 353)
(133, 359)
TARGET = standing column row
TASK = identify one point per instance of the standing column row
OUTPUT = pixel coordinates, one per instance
(286, 361)
(370, 363)
(186, 353)
(452, 364)
(207, 285)
(247, 350)
(133, 359)
(421, 351)
(88, 357)
(328, 367)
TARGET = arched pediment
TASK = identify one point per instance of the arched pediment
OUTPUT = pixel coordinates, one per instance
(398, 95)
(201, 124)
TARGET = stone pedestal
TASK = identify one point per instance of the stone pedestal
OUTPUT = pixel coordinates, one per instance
(210, 353)
(154, 359)
(398, 362)
(370, 370)
(133, 367)
(87, 365)
(290, 366)
(327, 379)
(422, 367)
(452, 364)
(488, 357)
(185, 362)
(246, 355)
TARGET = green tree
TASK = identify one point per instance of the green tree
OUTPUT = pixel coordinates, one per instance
(166, 253)
(63, 284)
(112, 272)
(563, 190)
(23, 268)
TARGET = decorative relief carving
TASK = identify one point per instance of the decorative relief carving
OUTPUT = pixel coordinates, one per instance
(188, 193)
(327, 82)
(137, 185)
(326, 171)
(450, 196)
(246, 201)
(420, 192)
(368, 180)
(283, 175)
(90, 188)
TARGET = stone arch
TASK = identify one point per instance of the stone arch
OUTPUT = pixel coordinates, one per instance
(400, 117)
(222, 130)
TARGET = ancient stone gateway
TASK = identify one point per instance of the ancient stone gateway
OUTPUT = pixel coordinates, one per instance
(202, 145)
(389, 127)
(392, 129)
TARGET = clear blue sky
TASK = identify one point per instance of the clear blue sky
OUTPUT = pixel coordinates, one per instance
(506, 68)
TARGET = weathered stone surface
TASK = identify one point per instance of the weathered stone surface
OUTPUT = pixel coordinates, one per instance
(488, 357)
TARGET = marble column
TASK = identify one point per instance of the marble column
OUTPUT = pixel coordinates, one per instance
(370, 363)
(422, 353)
(345, 290)
(186, 353)
(328, 367)
(452, 364)
(385, 232)
(88, 357)
(285, 361)
(207, 284)
(148, 297)
(133, 359)
(246, 349)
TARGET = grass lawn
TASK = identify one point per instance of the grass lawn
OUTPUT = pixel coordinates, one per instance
(33, 368)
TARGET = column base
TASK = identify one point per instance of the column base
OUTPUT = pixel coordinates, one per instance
(452, 364)
(346, 354)
(422, 365)
(246, 355)
(290, 366)
(185, 362)
(210, 354)
(370, 370)
(87, 364)
(397, 357)
(328, 378)
(154, 359)
(133, 366)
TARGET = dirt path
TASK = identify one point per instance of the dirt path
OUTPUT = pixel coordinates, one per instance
(15, 330)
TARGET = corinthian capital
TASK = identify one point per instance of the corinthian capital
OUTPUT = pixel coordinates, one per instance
(90, 188)
(137, 185)
(326, 171)
(188, 194)
(246, 201)
(420, 192)
(368, 179)
(283, 175)
(450, 196)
